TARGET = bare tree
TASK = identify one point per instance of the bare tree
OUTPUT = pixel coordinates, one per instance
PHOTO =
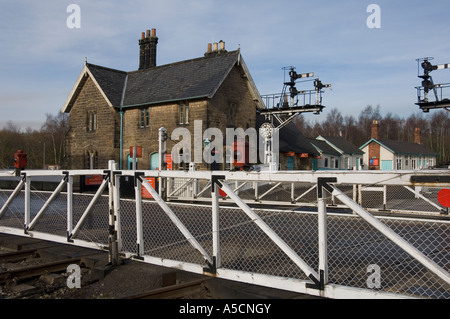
(391, 127)
(366, 117)
(333, 123)
(54, 130)
(440, 131)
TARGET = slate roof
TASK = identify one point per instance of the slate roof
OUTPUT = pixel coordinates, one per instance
(190, 79)
(342, 145)
(325, 148)
(403, 148)
(292, 140)
(198, 78)
(110, 80)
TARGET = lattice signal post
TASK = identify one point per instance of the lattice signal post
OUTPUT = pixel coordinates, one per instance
(291, 102)
(424, 101)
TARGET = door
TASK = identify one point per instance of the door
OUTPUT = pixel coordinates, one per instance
(154, 161)
(386, 165)
(315, 164)
(290, 163)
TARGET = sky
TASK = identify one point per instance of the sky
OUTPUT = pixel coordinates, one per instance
(42, 54)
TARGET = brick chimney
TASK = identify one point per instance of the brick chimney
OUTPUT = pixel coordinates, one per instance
(375, 127)
(147, 49)
(417, 136)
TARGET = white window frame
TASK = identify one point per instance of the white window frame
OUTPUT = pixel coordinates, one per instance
(183, 112)
(92, 121)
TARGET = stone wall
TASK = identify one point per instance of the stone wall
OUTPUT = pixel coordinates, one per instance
(211, 112)
(103, 140)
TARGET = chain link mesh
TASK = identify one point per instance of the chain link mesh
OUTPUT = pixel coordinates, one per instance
(14, 214)
(354, 246)
(245, 247)
(96, 226)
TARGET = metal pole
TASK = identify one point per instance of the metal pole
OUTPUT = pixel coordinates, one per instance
(139, 230)
(112, 237)
(292, 192)
(69, 205)
(162, 137)
(215, 224)
(116, 195)
(27, 202)
(323, 231)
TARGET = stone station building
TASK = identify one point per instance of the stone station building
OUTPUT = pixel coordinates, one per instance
(112, 111)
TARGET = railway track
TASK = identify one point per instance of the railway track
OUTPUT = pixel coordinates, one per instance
(16, 256)
(28, 272)
(32, 268)
(195, 287)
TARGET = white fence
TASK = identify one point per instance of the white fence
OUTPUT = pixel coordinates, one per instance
(317, 233)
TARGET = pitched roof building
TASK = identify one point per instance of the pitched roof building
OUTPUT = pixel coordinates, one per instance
(112, 110)
(295, 150)
(384, 154)
(338, 153)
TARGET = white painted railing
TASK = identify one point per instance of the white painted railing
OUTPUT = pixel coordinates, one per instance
(337, 249)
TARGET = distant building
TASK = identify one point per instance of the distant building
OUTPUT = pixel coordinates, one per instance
(111, 110)
(337, 153)
(295, 150)
(384, 154)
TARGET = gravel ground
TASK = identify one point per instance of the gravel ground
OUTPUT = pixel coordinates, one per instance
(129, 279)
(100, 281)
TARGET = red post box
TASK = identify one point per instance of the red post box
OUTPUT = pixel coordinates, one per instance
(20, 159)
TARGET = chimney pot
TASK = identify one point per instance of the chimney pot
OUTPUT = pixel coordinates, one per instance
(222, 45)
(147, 50)
(209, 47)
(143, 35)
(215, 46)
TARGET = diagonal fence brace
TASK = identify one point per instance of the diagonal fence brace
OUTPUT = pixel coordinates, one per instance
(394, 237)
(12, 196)
(311, 273)
(187, 234)
(89, 208)
(55, 194)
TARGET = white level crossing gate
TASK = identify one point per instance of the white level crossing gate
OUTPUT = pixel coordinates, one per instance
(341, 234)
